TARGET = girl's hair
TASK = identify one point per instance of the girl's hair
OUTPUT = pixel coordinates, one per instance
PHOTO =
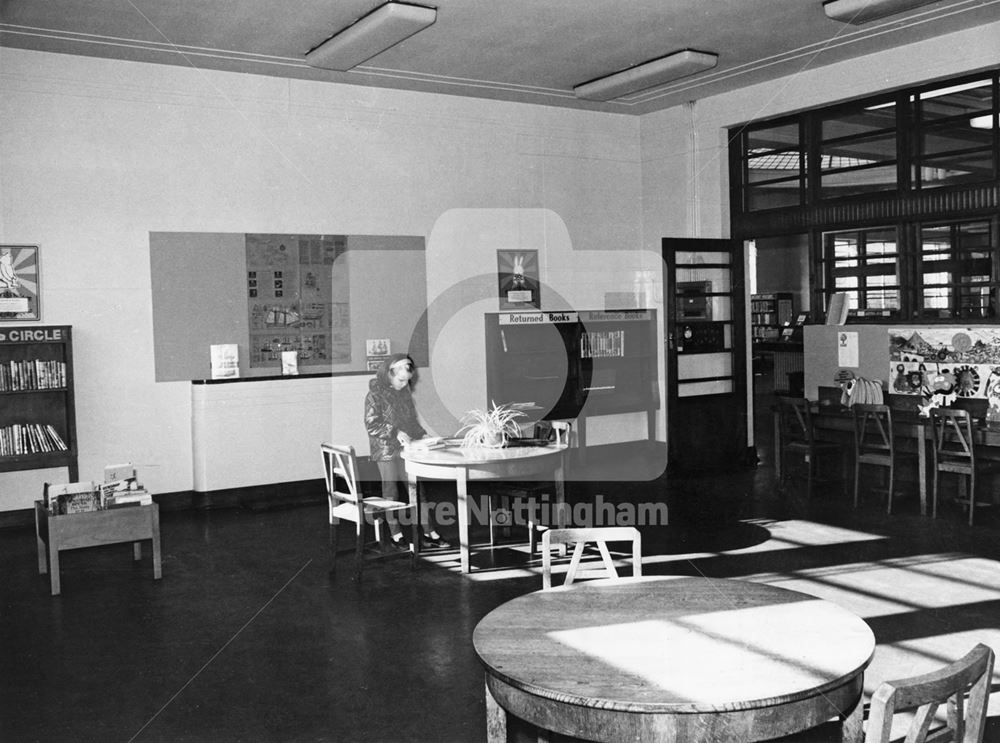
(384, 373)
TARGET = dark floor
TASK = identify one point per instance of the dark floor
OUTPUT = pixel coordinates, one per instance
(248, 637)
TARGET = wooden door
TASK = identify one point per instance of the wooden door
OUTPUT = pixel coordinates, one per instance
(706, 354)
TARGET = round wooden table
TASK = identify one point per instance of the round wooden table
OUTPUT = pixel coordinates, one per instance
(673, 659)
(466, 465)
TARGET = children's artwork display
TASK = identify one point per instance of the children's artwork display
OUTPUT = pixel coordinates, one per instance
(298, 297)
(944, 363)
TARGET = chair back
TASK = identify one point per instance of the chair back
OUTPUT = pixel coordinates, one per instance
(795, 420)
(340, 466)
(579, 538)
(558, 430)
(964, 685)
(952, 434)
(873, 430)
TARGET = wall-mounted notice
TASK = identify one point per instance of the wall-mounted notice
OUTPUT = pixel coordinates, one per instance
(298, 299)
(847, 349)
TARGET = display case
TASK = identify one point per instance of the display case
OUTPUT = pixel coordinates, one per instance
(37, 414)
(769, 313)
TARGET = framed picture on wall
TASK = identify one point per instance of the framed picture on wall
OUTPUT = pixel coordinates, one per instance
(517, 275)
(19, 283)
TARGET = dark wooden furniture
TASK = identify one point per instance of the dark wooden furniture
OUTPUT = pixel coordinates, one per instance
(95, 529)
(346, 501)
(673, 659)
(469, 465)
(954, 451)
(579, 538)
(798, 439)
(37, 412)
(963, 685)
(575, 364)
(875, 445)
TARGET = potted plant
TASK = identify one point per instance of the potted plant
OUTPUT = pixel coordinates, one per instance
(490, 428)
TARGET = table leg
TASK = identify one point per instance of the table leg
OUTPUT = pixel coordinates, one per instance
(776, 454)
(496, 719)
(922, 469)
(852, 728)
(157, 562)
(462, 498)
(53, 564)
(560, 488)
(43, 563)
(411, 487)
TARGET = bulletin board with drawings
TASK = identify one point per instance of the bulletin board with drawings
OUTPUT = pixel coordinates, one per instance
(966, 360)
(324, 296)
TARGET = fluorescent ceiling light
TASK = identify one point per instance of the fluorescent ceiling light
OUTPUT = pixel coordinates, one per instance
(982, 122)
(640, 77)
(861, 11)
(372, 34)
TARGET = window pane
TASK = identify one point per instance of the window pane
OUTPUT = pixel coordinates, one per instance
(772, 197)
(956, 100)
(860, 121)
(948, 170)
(957, 270)
(773, 138)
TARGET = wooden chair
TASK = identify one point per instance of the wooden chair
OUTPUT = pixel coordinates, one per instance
(875, 444)
(954, 451)
(798, 438)
(966, 716)
(560, 432)
(346, 501)
(579, 538)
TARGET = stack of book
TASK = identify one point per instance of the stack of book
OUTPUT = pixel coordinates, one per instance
(122, 489)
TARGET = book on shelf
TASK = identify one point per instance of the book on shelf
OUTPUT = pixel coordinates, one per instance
(29, 438)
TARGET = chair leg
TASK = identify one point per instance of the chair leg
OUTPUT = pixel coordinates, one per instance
(972, 494)
(934, 493)
(811, 472)
(892, 484)
(359, 550)
(857, 479)
(334, 540)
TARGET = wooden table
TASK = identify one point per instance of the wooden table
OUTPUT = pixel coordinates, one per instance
(673, 659)
(468, 465)
(909, 425)
(94, 529)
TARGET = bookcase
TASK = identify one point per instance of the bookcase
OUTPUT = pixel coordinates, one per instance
(37, 414)
(574, 364)
(768, 313)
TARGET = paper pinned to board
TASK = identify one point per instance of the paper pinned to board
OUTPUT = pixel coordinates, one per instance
(847, 349)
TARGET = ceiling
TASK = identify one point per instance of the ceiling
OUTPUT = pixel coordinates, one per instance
(518, 50)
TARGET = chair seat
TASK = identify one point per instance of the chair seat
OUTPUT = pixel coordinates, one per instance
(348, 509)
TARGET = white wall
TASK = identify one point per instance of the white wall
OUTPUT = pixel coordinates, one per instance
(95, 154)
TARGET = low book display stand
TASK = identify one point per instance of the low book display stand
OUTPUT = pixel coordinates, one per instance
(57, 532)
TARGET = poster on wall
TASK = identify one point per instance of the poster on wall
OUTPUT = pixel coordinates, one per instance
(517, 275)
(19, 283)
(298, 299)
(966, 361)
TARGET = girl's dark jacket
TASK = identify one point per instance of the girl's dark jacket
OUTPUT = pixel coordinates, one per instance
(388, 411)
